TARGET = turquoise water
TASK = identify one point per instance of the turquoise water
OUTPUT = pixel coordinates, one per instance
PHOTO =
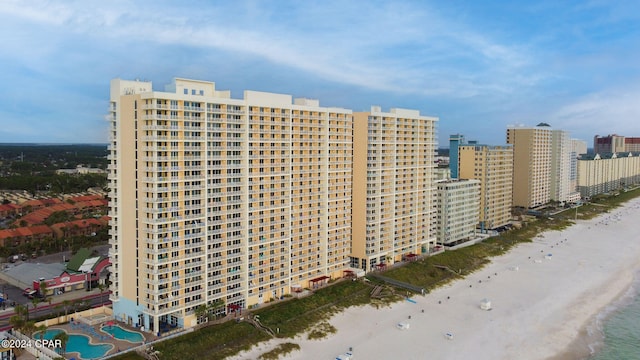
(622, 330)
(80, 344)
(122, 334)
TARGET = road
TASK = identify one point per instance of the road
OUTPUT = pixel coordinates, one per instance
(95, 300)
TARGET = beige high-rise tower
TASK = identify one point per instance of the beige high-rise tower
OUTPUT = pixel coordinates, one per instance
(531, 165)
(493, 166)
(221, 200)
(393, 188)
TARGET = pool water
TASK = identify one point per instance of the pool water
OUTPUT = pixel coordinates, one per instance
(122, 334)
(80, 344)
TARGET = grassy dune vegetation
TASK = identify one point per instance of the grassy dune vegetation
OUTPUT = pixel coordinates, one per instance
(294, 316)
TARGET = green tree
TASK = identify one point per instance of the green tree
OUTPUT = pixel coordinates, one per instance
(40, 329)
(22, 311)
(17, 322)
(35, 301)
(102, 288)
(66, 304)
(64, 338)
(216, 306)
(43, 289)
(29, 328)
(201, 313)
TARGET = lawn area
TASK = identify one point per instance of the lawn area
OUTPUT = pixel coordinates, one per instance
(297, 315)
(428, 273)
(291, 317)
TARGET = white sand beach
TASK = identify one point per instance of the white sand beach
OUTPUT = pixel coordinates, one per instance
(543, 295)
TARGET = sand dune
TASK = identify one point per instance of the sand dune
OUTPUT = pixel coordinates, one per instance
(542, 295)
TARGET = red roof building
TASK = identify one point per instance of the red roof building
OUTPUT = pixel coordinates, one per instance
(24, 235)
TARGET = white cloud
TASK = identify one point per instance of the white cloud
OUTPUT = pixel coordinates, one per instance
(382, 46)
(609, 111)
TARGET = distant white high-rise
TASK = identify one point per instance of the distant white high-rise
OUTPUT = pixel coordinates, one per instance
(563, 168)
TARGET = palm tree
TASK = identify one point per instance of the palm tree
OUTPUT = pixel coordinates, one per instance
(66, 304)
(216, 305)
(202, 313)
(64, 338)
(43, 289)
(29, 328)
(17, 322)
(102, 287)
(41, 329)
(22, 311)
(35, 301)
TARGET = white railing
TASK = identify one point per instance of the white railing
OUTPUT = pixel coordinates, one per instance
(44, 353)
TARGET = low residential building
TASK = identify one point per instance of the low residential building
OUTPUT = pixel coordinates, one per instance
(457, 204)
(22, 235)
(81, 170)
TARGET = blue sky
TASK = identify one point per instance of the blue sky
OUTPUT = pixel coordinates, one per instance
(477, 65)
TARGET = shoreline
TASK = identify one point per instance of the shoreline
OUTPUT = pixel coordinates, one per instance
(590, 340)
(545, 296)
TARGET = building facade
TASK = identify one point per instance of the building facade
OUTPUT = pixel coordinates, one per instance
(455, 141)
(221, 199)
(493, 167)
(563, 168)
(457, 204)
(393, 189)
(608, 144)
(531, 165)
(579, 147)
(599, 174)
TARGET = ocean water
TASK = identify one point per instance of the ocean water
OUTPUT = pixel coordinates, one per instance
(620, 326)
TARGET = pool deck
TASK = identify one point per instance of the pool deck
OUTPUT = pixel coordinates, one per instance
(119, 345)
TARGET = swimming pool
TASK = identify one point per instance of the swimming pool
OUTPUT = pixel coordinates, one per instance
(122, 334)
(80, 344)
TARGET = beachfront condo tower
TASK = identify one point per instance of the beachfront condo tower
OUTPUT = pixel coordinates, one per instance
(493, 166)
(531, 164)
(564, 167)
(455, 141)
(217, 200)
(457, 206)
(393, 189)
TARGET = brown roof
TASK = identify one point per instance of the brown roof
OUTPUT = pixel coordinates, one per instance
(86, 198)
(9, 207)
(25, 231)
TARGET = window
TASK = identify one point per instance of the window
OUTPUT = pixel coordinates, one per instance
(186, 91)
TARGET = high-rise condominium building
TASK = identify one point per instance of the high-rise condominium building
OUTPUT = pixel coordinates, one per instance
(563, 168)
(608, 144)
(531, 164)
(579, 147)
(455, 141)
(221, 200)
(393, 191)
(493, 166)
(457, 204)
